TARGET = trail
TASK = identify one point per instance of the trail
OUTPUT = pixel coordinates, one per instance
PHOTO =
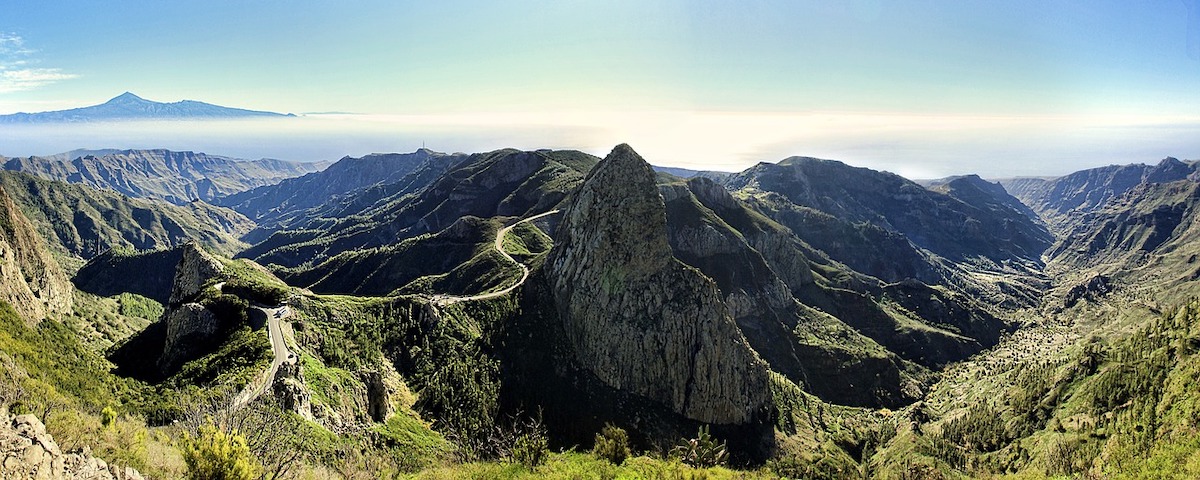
(444, 300)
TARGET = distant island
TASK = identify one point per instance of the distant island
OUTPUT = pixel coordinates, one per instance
(128, 106)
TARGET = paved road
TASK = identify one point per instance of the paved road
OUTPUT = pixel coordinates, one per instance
(443, 300)
(260, 384)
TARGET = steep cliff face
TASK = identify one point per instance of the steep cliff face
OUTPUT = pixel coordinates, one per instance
(636, 317)
(710, 230)
(189, 327)
(1060, 200)
(1150, 229)
(195, 269)
(30, 280)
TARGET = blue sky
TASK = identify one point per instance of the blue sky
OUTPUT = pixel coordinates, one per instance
(1040, 60)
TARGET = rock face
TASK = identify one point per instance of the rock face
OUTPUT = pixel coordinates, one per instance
(710, 230)
(29, 452)
(290, 390)
(379, 396)
(636, 317)
(195, 269)
(1059, 200)
(189, 326)
(30, 280)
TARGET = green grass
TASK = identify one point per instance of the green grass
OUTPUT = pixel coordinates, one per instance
(526, 241)
(575, 465)
(329, 386)
(255, 283)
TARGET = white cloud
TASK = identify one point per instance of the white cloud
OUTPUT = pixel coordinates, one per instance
(16, 67)
(12, 45)
(30, 78)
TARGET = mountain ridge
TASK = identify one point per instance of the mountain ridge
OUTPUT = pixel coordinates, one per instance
(179, 177)
(128, 106)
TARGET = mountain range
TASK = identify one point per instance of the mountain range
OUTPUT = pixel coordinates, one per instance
(818, 319)
(128, 106)
(177, 177)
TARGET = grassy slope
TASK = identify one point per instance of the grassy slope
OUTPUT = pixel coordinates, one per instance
(72, 218)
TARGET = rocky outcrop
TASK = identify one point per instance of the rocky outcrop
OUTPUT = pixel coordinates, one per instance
(716, 233)
(379, 395)
(30, 280)
(28, 451)
(290, 390)
(1096, 287)
(189, 327)
(195, 270)
(637, 318)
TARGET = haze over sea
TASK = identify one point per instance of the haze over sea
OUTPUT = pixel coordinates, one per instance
(916, 146)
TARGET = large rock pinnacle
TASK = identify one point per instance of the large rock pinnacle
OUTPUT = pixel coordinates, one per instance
(636, 317)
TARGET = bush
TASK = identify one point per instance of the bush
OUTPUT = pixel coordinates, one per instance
(702, 452)
(216, 455)
(612, 444)
(108, 416)
(530, 449)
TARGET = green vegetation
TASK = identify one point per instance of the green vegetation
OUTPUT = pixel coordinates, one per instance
(254, 283)
(526, 241)
(612, 444)
(134, 305)
(703, 451)
(216, 455)
(101, 322)
(81, 222)
(574, 465)
(235, 362)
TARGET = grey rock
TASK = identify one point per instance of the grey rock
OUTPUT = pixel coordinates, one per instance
(636, 317)
(195, 270)
(188, 326)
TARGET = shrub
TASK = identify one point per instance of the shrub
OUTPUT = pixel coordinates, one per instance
(612, 444)
(216, 455)
(530, 449)
(703, 451)
(107, 417)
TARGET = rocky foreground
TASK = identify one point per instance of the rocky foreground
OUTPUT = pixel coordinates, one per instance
(30, 452)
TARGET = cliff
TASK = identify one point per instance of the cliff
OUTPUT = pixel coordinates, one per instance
(637, 318)
(30, 280)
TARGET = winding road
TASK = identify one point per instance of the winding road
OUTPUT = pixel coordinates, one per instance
(444, 300)
(260, 384)
(274, 315)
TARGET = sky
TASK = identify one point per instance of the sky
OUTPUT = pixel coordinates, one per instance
(920, 87)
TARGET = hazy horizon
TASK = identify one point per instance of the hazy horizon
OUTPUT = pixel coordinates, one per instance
(923, 89)
(718, 141)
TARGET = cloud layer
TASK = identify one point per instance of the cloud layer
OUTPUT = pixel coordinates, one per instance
(17, 72)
